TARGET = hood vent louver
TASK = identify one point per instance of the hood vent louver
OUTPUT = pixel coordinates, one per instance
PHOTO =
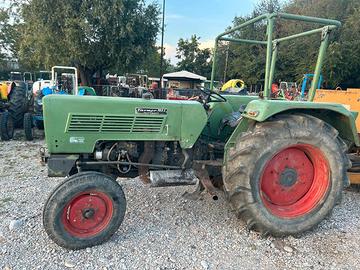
(115, 123)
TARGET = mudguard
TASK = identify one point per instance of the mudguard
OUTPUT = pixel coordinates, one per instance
(334, 114)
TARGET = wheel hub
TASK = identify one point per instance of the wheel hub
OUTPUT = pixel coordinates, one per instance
(295, 180)
(88, 213)
(288, 177)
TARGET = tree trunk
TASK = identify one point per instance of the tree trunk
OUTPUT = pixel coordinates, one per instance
(85, 76)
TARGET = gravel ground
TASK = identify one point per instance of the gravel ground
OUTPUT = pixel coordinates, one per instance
(161, 229)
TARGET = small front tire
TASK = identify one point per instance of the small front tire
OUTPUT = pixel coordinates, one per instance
(84, 211)
(28, 127)
(6, 126)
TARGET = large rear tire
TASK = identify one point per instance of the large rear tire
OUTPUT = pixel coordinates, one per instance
(84, 211)
(6, 126)
(285, 175)
(18, 104)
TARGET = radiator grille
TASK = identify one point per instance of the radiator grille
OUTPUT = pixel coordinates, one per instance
(115, 123)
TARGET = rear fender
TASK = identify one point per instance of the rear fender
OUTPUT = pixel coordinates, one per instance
(334, 114)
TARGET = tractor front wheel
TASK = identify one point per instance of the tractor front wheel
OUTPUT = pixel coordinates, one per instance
(84, 211)
(6, 126)
(28, 126)
(285, 175)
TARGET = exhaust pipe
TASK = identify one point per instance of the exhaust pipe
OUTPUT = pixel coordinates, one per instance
(168, 178)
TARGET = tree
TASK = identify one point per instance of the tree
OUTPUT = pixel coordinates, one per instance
(341, 64)
(192, 58)
(151, 65)
(299, 56)
(92, 35)
(186, 51)
(246, 61)
(3, 24)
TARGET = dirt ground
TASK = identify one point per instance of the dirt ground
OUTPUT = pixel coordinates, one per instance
(161, 229)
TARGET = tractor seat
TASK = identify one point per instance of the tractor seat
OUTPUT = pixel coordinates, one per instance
(232, 120)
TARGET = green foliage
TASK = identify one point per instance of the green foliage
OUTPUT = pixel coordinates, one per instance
(192, 58)
(93, 35)
(298, 57)
(151, 65)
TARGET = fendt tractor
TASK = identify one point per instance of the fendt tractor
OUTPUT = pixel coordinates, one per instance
(281, 164)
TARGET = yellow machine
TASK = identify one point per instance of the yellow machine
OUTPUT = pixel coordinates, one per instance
(3, 91)
(350, 99)
(235, 84)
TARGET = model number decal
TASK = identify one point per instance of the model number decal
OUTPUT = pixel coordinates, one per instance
(77, 140)
(151, 110)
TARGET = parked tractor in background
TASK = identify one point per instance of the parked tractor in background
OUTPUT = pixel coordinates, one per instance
(42, 75)
(306, 85)
(14, 97)
(234, 86)
(130, 85)
(281, 164)
(64, 81)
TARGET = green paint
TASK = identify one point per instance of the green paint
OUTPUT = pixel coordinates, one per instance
(77, 123)
(334, 114)
(323, 47)
(269, 33)
(74, 124)
(273, 64)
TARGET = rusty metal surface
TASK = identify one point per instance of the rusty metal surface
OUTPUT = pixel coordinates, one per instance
(349, 98)
(203, 175)
(146, 157)
(354, 178)
(166, 178)
(354, 171)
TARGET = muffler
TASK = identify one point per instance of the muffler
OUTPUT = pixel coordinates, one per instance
(168, 178)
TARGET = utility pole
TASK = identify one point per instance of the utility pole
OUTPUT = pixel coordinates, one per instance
(226, 62)
(162, 45)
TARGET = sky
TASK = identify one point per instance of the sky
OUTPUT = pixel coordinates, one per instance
(205, 18)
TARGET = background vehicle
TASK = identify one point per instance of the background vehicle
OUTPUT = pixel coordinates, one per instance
(306, 84)
(64, 81)
(14, 100)
(282, 164)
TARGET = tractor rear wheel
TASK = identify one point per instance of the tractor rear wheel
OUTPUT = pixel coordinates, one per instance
(28, 126)
(18, 103)
(84, 211)
(285, 175)
(6, 126)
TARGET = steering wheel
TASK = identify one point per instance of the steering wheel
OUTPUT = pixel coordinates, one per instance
(212, 94)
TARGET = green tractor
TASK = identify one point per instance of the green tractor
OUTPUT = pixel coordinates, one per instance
(281, 164)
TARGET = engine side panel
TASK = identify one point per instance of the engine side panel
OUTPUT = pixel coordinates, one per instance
(74, 124)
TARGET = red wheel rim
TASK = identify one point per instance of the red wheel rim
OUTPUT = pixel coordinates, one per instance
(295, 181)
(87, 214)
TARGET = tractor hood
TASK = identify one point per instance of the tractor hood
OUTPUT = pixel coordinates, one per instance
(73, 124)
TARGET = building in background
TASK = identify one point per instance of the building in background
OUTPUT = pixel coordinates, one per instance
(183, 80)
